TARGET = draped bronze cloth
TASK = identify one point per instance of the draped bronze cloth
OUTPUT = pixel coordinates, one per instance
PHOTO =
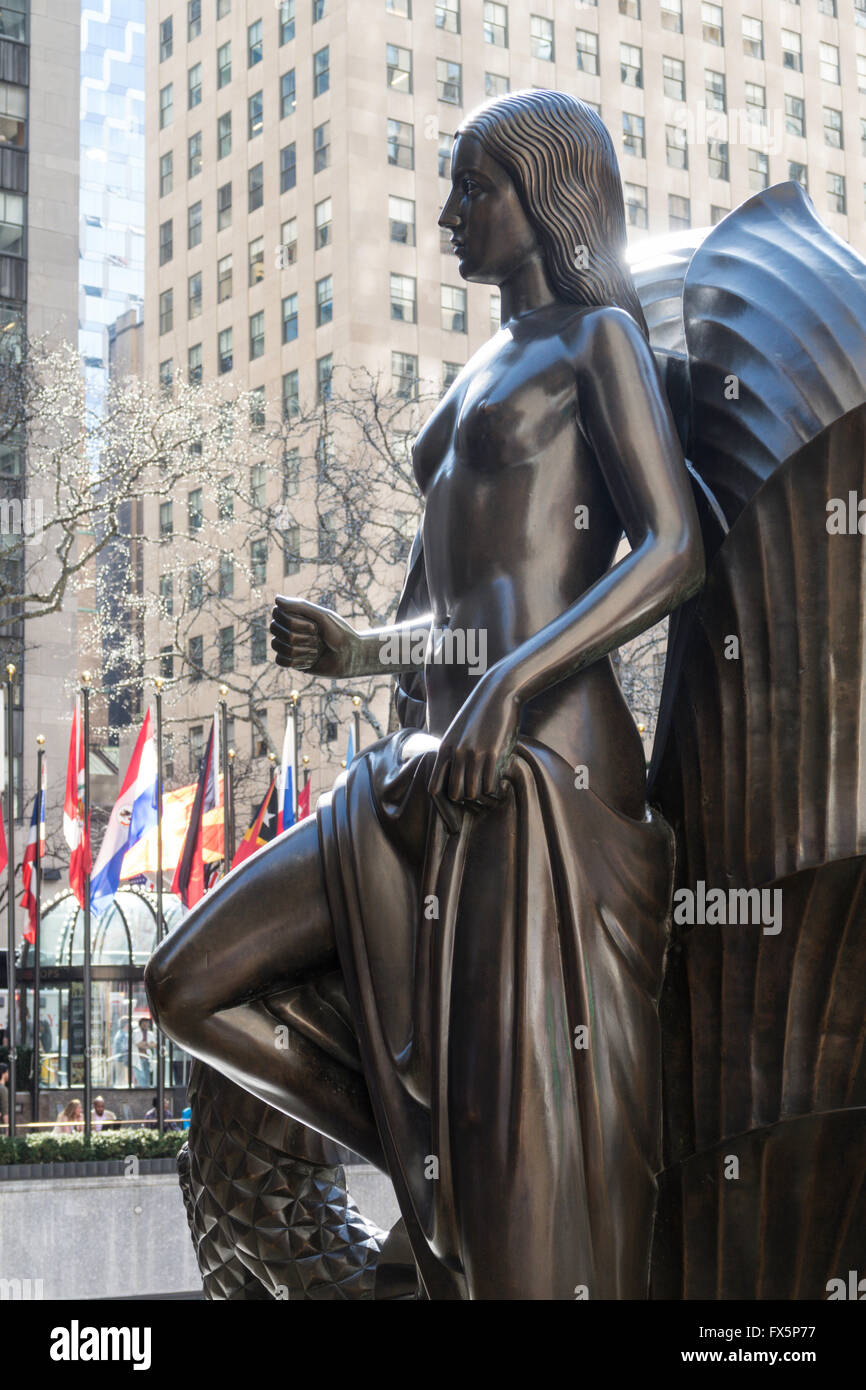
(524, 1164)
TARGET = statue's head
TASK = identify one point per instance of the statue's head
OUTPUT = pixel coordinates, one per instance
(547, 167)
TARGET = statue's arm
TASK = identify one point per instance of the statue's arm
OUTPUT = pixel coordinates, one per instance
(308, 637)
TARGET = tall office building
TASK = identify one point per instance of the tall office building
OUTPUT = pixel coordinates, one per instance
(298, 158)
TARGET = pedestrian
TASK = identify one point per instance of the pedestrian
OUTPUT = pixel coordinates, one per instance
(4, 1097)
(100, 1117)
(69, 1121)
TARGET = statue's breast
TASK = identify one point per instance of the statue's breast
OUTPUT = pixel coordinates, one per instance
(516, 408)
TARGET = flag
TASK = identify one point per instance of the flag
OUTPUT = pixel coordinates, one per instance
(133, 813)
(350, 747)
(304, 802)
(4, 853)
(286, 809)
(37, 830)
(263, 828)
(176, 810)
(189, 876)
(76, 833)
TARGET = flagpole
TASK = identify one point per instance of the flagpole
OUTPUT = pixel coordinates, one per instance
(10, 906)
(224, 769)
(294, 697)
(230, 800)
(37, 944)
(160, 1073)
(356, 715)
(88, 1087)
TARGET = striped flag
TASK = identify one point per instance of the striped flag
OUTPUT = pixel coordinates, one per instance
(288, 775)
(263, 828)
(132, 815)
(75, 832)
(304, 802)
(189, 877)
(37, 833)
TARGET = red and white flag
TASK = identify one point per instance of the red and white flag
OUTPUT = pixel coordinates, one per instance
(304, 802)
(28, 867)
(75, 832)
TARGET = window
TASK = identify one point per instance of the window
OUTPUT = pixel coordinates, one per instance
(630, 65)
(676, 147)
(255, 187)
(756, 102)
(404, 375)
(401, 218)
(450, 373)
(717, 155)
(401, 144)
(403, 8)
(633, 141)
(193, 155)
(587, 51)
(195, 510)
(257, 335)
(166, 663)
(795, 115)
(255, 115)
(792, 50)
(717, 213)
(635, 204)
(193, 295)
(319, 8)
(166, 174)
(291, 549)
(833, 128)
(674, 78)
(630, 8)
(759, 170)
(166, 303)
(259, 563)
(287, 94)
(827, 7)
(225, 499)
(256, 260)
(714, 87)
(13, 19)
(259, 645)
(288, 168)
(398, 64)
(291, 399)
(828, 62)
(321, 147)
(863, 136)
(224, 134)
(324, 375)
(225, 577)
(836, 192)
(324, 300)
(254, 43)
(193, 231)
(194, 86)
(495, 85)
(322, 218)
(166, 242)
(444, 155)
(449, 81)
(679, 213)
(166, 374)
(289, 242)
(194, 365)
(861, 72)
(226, 649)
(287, 21)
(193, 19)
(224, 207)
(403, 298)
(495, 312)
(448, 15)
(290, 318)
(453, 308)
(712, 23)
(291, 473)
(860, 12)
(166, 106)
(224, 7)
(257, 408)
(541, 38)
(753, 37)
(225, 351)
(321, 71)
(224, 65)
(166, 39)
(672, 15)
(496, 24)
(258, 485)
(166, 519)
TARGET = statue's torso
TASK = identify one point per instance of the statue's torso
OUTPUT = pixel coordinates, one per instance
(503, 465)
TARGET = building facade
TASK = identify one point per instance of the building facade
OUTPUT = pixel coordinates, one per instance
(298, 159)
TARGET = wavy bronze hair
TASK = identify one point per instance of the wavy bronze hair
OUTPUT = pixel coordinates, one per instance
(561, 159)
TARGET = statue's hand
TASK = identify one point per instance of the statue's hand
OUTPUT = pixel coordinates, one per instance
(310, 638)
(476, 747)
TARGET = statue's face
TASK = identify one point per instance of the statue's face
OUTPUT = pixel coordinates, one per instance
(490, 231)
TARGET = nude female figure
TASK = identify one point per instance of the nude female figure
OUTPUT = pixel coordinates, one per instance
(562, 409)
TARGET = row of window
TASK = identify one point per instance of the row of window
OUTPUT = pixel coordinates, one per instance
(676, 142)
(631, 64)
(285, 21)
(679, 208)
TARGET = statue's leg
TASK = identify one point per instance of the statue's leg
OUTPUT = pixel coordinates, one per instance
(264, 929)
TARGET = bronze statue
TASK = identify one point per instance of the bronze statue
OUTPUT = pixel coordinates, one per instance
(466, 945)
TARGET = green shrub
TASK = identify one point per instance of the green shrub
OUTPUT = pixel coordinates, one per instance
(73, 1148)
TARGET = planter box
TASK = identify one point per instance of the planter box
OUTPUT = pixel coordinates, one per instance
(91, 1168)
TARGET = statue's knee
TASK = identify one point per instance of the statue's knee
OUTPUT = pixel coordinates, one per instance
(165, 994)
